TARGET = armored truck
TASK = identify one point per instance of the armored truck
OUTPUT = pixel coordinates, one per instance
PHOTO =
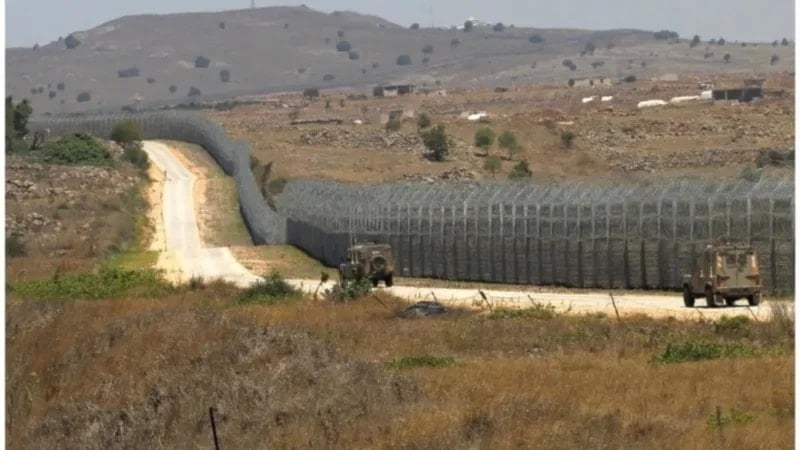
(372, 261)
(724, 272)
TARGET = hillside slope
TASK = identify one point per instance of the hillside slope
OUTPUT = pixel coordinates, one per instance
(286, 48)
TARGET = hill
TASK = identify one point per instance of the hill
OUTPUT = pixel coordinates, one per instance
(158, 59)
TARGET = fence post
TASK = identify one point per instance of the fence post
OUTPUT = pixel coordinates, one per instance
(750, 219)
(478, 242)
(675, 245)
(539, 239)
(514, 236)
(625, 258)
(579, 246)
(595, 279)
(642, 252)
(445, 263)
(609, 263)
(565, 243)
(728, 216)
(491, 245)
(455, 264)
(773, 263)
(467, 258)
(408, 240)
(502, 259)
(430, 244)
(527, 246)
(710, 220)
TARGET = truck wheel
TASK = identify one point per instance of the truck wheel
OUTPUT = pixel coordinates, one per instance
(688, 298)
(374, 282)
(389, 281)
(730, 301)
(711, 299)
(755, 299)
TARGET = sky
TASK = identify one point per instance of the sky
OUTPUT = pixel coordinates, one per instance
(40, 21)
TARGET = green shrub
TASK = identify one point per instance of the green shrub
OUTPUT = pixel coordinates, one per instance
(736, 325)
(508, 141)
(721, 418)
(343, 46)
(521, 170)
(348, 290)
(78, 148)
(665, 35)
(422, 361)
(311, 93)
(109, 282)
(423, 121)
(271, 290)
(14, 246)
(537, 311)
(134, 154)
(127, 131)
(394, 125)
(72, 42)
(436, 141)
(492, 164)
(629, 79)
(567, 137)
(484, 138)
(700, 351)
(83, 97)
(201, 62)
(750, 174)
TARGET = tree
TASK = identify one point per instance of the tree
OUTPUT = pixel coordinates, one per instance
(664, 35)
(567, 137)
(589, 48)
(83, 97)
(727, 58)
(720, 41)
(468, 26)
(784, 42)
(225, 75)
(201, 62)
(499, 27)
(127, 131)
(72, 42)
(454, 43)
(629, 79)
(403, 60)
(428, 49)
(571, 82)
(535, 39)
(484, 138)
(194, 92)
(508, 141)
(492, 164)
(773, 60)
(222, 25)
(423, 121)
(695, 41)
(343, 46)
(436, 141)
(311, 93)
(520, 171)
(415, 26)
(775, 43)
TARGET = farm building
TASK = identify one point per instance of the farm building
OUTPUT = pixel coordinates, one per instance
(393, 90)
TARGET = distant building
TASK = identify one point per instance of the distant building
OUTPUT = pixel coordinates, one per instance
(745, 94)
(393, 90)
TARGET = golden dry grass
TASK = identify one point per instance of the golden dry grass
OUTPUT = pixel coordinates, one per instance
(565, 382)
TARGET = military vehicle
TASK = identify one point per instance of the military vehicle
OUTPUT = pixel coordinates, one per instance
(372, 261)
(724, 273)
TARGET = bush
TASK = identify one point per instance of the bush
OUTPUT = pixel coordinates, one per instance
(750, 174)
(348, 290)
(784, 42)
(571, 82)
(194, 92)
(343, 46)
(567, 137)
(537, 311)
(701, 351)
(222, 25)
(484, 138)
(589, 48)
(535, 39)
(521, 170)
(720, 418)
(422, 361)
(78, 148)
(375, 65)
(727, 58)
(128, 73)
(72, 42)
(415, 26)
(109, 282)
(736, 326)
(311, 93)
(134, 154)
(492, 165)
(428, 49)
(695, 41)
(127, 131)
(403, 60)
(629, 79)
(201, 62)
(275, 187)
(353, 56)
(52, 94)
(394, 125)
(173, 89)
(60, 86)
(328, 77)
(83, 97)
(721, 41)
(340, 34)
(423, 121)
(569, 64)
(151, 80)
(499, 27)
(468, 26)
(597, 64)
(665, 35)
(436, 141)
(508, 141)
(14, 246)
(773, 60)
(270, 291)
(425, 60)
(454, 43)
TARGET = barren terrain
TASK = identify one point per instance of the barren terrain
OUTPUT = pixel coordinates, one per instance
(151, 59)
(708, 140)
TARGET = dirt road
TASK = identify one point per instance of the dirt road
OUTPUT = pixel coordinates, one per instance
(187, 255)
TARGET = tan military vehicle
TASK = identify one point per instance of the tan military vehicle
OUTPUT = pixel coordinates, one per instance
(725, 273)
(372, 261)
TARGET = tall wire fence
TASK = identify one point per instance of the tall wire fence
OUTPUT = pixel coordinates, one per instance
(582, 235)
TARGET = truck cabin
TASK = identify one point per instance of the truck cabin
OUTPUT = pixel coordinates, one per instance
(730, 259)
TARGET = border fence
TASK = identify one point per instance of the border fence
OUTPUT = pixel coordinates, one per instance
(582, 235)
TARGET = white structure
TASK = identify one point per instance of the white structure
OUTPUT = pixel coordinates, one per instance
(477, 116)
(706, 95)
(649, 103)
(606, 98)
(588, 99)
(684, 98)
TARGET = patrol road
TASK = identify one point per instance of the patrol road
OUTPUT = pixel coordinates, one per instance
(192, 258)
